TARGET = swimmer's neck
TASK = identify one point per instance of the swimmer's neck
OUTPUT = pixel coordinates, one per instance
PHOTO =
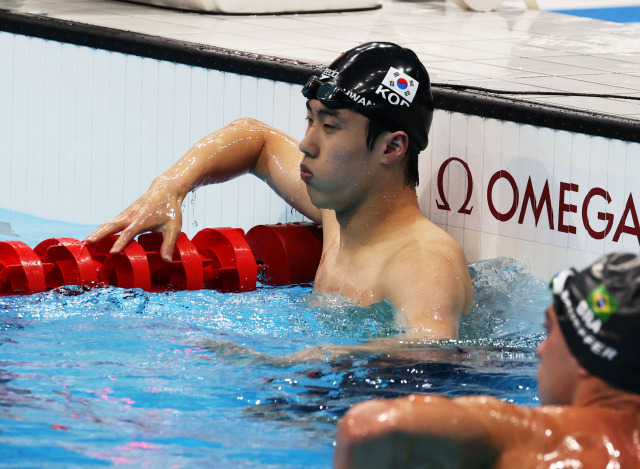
(378, 217)
(595, 393)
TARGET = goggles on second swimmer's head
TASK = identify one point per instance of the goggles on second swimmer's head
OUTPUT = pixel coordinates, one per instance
(326, 92)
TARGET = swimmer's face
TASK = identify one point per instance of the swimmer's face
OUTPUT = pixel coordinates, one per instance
(337, 165)
(558, 370)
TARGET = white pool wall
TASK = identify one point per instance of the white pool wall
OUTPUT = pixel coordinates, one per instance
(84, 131)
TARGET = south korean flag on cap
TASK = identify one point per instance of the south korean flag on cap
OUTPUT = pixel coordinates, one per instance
(401, 83)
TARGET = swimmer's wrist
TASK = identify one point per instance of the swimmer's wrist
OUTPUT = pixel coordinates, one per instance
(172, 186)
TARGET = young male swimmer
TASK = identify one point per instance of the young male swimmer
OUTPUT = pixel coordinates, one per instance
(589, 384)
(355, 172)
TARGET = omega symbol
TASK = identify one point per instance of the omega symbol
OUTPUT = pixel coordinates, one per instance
(444, 205)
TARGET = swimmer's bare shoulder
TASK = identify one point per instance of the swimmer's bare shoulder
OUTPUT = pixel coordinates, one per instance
(427, 276)
(485, 432)
(553, 436)
(415, 431)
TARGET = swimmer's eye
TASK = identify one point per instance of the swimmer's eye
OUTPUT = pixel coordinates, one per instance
(326, 126)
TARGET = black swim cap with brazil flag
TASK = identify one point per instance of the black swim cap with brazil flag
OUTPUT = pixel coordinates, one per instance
(598, 310)
(382, 81)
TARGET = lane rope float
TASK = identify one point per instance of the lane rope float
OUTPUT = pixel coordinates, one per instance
(223, 259)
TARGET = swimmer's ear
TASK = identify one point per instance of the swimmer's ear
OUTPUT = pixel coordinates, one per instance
(395, 146)
(582, 373)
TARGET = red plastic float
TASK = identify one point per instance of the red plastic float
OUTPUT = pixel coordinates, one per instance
(66, 261)
(21, 269)
(223, 259)
(129, 269)
(290, 251)
(229, 264)
(183, 273)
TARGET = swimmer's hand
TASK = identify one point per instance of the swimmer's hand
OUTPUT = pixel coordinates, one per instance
(231, 351)
(393, 348)
(159, 209)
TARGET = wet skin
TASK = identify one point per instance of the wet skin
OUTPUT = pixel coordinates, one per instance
(377, 243)
(583, 423)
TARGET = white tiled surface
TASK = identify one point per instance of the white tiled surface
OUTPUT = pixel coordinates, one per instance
(509, 49)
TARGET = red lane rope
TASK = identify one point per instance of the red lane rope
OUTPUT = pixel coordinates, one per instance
(223, 259)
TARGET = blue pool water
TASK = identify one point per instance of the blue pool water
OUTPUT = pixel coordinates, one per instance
(125, 377)
(617, 14)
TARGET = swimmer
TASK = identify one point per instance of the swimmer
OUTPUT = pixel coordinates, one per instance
(589, 385)
(355, 173)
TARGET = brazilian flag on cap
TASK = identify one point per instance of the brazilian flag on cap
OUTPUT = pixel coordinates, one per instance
(602, 303)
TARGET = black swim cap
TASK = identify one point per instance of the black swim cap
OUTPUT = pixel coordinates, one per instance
(598, 310)
(382, 81)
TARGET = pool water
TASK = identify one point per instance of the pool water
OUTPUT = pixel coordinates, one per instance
(613, 13)
(107, 376)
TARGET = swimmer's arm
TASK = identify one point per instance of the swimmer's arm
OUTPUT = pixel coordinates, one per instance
(416, 431)
(431, 291)
(246, 145)
(392, 348)
(384, 348)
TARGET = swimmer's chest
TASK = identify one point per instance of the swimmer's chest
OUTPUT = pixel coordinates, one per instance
(359, 276)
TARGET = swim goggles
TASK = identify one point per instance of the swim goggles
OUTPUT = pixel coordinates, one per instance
(325, 92)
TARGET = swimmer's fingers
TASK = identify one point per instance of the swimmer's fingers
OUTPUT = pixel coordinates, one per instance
(106, 229)
(126, 222)
(232, 352)
(170, 234)
(125, 238)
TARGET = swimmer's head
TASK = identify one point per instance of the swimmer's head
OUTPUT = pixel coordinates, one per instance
(598, 311)
(382, 81)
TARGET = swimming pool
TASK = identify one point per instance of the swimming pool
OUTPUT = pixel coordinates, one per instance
(107, 376)
(615, 13)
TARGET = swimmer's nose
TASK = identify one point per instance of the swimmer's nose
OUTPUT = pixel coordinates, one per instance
(304, 148)
(307, 145)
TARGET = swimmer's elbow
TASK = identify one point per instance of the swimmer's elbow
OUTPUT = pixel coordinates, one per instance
(364, 437)
(411, 432)
(253, 126)
(248, 123)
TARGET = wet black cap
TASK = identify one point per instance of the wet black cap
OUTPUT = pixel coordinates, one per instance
(382, 81)
(598, 310)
